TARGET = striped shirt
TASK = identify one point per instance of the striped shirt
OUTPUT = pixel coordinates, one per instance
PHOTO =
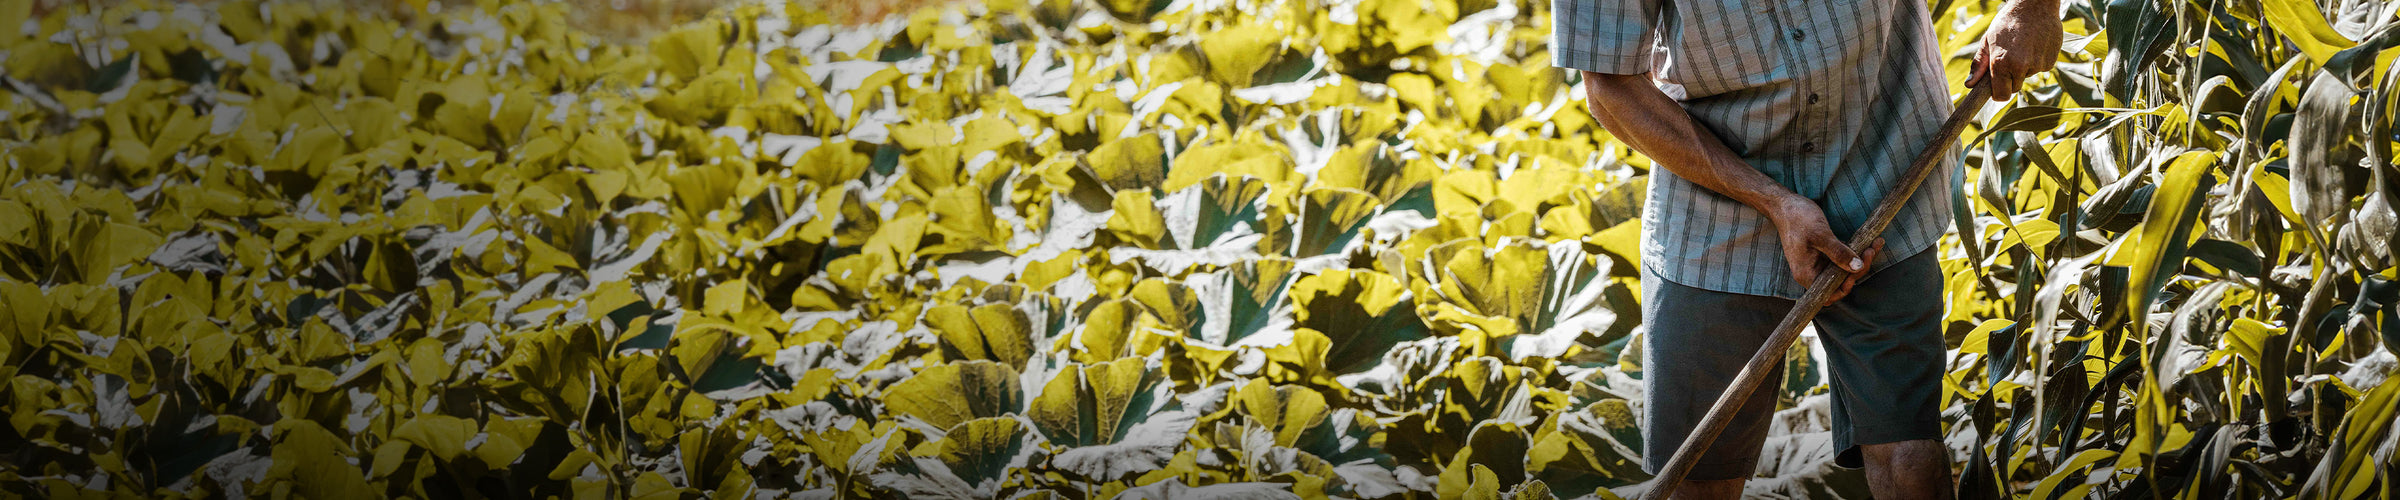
(1830, 98)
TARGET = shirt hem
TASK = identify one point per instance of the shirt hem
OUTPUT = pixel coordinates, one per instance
(1660, 271)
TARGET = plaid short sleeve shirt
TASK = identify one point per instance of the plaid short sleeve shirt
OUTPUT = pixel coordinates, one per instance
(1831, 98)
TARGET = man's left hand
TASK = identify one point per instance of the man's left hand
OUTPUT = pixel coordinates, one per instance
(2023, 41)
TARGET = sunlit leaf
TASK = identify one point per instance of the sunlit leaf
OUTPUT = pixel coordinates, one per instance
(2306, 27)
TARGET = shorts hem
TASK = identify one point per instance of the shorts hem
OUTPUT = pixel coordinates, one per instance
(1852, 456)
(1862, 435)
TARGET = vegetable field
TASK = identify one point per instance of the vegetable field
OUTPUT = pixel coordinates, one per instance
(1089, 249)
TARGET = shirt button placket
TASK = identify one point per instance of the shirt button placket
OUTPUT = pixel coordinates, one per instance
(1819, 118)
(1811, 115)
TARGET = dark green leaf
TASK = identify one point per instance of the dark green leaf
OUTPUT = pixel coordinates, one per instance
(2376, 297)
(112, 76)
(192, 66)
(2063, 394)
(2230, 256)
(1979, 482)
(2137, 32)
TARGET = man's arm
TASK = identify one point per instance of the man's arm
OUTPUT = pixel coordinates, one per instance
(1641, 116)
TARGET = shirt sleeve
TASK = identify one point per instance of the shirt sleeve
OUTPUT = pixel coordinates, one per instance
(1603, 36)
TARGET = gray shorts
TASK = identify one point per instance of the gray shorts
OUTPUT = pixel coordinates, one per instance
(1883, 345)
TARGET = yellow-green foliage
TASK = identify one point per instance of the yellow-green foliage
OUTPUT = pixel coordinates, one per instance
(1077, 249)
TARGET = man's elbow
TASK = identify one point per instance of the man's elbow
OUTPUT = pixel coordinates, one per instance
(1602, 89)
(1608, 84)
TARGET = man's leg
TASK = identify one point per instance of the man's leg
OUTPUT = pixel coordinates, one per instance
(1722, 489)
(1696, 341)
(1883, 345)
(1908, 469)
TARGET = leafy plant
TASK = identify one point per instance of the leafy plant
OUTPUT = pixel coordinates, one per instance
(1064, 249)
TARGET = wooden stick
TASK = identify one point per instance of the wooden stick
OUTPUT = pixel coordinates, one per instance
(1819, 293)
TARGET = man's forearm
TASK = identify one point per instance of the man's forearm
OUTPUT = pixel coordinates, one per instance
(1653, 124)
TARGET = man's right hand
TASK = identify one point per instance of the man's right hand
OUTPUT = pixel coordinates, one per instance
(1809, 244)
(1658, 127)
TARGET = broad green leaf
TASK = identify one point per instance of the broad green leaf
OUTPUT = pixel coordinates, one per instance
(1482, 484)
(1244, 301)
(1325, 221)
(14, 14)
(601, 152)
(1463, 191)
(964, 223)
(1257, 160)
(1135, 162)
(1213, 210)
(1119, 422)
(984, 449)
(994, 332)
(1495, 283)
(689, 50)
(1097, 404)
(446, 436)
(1136, 218)
(970, 460)
(1589, 445)
(1364, 314)
(949, 394)
(1289, 411)
(1494, 455)
(1412, 26)
(308, 459)
(1235, 53)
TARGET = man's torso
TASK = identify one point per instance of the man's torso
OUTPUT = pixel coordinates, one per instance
(1829, 98)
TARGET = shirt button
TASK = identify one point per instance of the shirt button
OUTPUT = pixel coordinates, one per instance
(1812, 98)
(1799, 35)
(1808, 147)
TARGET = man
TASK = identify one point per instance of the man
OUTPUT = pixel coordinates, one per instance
(1776, 127)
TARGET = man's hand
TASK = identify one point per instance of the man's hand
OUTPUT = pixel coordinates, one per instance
(1802, 228)
(1643, 117)
(2023, 41)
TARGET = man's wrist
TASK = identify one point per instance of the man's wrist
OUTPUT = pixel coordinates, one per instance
(1781, 206)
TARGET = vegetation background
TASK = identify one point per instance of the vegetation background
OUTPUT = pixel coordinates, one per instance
(1102, 248)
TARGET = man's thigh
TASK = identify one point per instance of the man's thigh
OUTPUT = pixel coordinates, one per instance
(1883, 345)
(1696, 343)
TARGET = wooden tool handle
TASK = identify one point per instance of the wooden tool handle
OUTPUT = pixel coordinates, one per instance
(1819, 293)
